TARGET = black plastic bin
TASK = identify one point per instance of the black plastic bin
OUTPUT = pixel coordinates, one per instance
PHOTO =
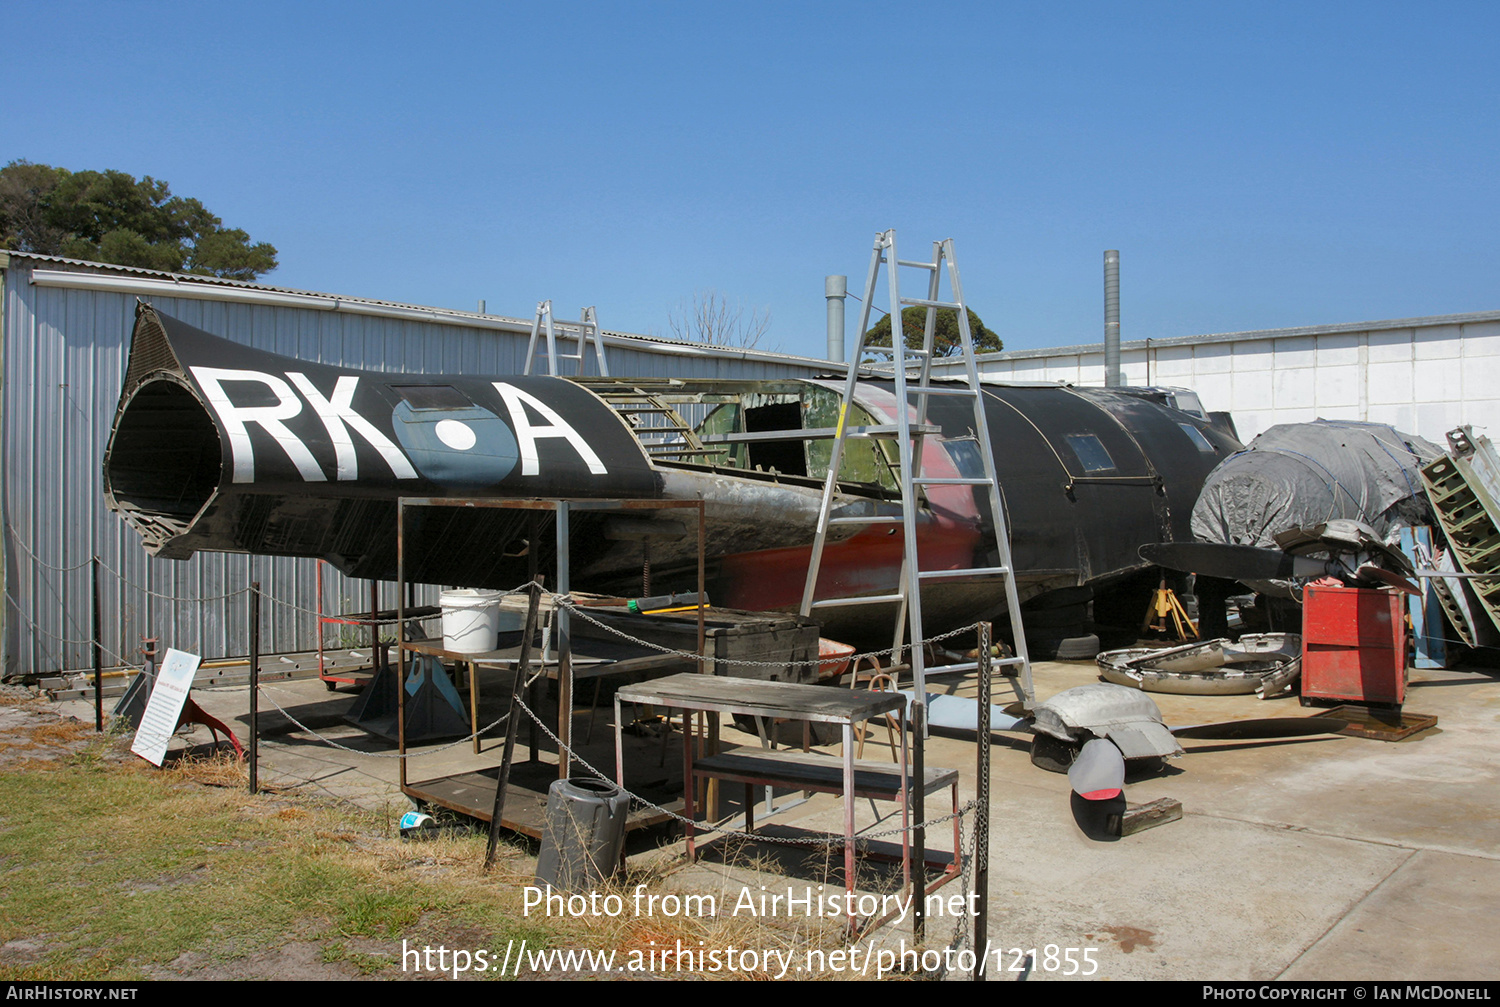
(584, 833)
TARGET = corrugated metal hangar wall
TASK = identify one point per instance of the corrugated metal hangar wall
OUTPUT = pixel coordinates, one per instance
(1421, 375)
(66, 335)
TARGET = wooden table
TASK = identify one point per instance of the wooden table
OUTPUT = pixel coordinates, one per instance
(801, 770)
(587, 659)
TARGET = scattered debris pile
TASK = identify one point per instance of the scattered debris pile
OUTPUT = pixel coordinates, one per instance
(1263, 663)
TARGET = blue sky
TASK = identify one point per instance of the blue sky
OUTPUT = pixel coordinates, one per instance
(1258, 165)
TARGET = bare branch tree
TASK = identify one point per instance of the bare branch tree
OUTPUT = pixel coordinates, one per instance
(712, 319)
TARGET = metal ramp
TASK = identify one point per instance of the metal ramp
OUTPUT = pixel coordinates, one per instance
(586, 330)
(911, 371)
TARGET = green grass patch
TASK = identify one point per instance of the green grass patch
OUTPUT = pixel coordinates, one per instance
(114, 869)
(111, 869)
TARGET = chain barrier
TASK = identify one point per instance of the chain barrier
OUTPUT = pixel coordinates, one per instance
(62, 639)
(558, 601)
(16, 539)
(39, 634)
(962, 930)
(37, 629)
(264, 690)
(704, 827)
(565, 601)
(380, 755)
(47, 583)
(383, 622)
(176, 599)
(562, 602)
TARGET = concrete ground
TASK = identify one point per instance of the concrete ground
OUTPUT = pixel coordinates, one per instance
(1311, 859)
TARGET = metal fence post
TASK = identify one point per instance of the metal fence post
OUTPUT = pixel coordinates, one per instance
(982, 812)
(919, 830)
(255, 687)
(523, 669)
(98, 650)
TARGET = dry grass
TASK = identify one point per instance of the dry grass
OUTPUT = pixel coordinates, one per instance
(219, 768)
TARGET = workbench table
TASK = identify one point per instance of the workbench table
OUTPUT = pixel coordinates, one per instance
(800, 770)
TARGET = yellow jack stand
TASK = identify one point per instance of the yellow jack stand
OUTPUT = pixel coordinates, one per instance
(1164, 603)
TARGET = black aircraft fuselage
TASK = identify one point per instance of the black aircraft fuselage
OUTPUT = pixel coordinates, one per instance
(217, 446)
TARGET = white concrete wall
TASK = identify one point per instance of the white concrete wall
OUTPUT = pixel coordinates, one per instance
(1421, 376)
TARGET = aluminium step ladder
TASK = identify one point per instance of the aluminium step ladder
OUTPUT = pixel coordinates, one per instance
(586, 329)
(911, 371)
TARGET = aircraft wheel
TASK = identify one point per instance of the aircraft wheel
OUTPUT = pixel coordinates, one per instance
(1078, 648)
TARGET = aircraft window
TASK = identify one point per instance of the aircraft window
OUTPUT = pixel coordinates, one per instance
(1091, 452)
(1196, 436)
(1189, 403)
(966, 457)
(432, 396)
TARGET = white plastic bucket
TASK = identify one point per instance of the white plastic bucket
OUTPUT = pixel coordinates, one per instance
(471, 620)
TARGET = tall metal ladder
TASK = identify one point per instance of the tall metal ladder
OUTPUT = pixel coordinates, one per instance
(587, 331)
(912, 371)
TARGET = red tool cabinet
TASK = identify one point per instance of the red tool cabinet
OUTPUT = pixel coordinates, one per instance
(1353, 645)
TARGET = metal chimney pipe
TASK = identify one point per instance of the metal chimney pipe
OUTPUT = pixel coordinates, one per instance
(1112, 318)
(836, 288)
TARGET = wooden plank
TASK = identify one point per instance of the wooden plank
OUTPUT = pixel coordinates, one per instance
(1140, 817)
(591, 658)
(473, 794)
(1381, 725)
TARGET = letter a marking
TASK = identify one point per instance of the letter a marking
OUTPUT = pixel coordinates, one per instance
(527, 433)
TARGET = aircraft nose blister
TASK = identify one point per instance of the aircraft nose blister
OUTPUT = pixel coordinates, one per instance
(456, 447)
(1098, 773)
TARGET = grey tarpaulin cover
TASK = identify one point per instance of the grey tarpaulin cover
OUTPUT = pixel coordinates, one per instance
(1296, 475)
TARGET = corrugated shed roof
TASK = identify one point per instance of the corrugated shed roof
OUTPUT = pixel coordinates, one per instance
(648, 343)
(666, 342)
(1427, 321)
